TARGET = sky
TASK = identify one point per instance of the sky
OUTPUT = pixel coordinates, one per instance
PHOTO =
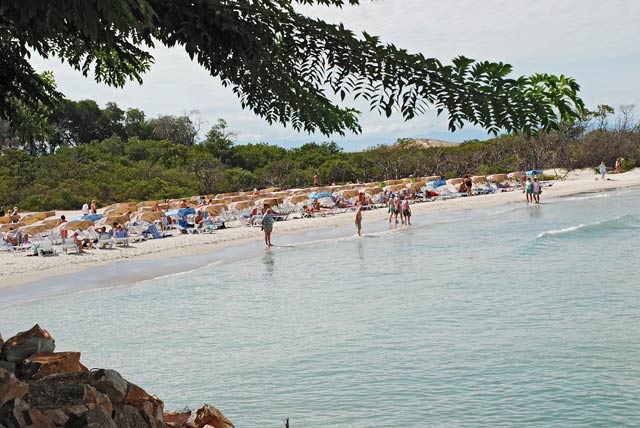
(595, 42)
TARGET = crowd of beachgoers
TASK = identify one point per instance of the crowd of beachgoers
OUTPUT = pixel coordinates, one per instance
(140, 228)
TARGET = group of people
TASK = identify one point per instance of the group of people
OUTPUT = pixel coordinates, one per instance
(532, 190)
(399, 206)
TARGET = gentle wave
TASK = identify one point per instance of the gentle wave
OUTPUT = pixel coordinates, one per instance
(622, 222)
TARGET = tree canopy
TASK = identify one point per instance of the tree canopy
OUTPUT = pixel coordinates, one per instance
(283, 65)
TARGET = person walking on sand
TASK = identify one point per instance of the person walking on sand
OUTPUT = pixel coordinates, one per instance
(618, 166)
(603, 170)
(359, 220)
(267, 226)
(316, 181)
(93, 208)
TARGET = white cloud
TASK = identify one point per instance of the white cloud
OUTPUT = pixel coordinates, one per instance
(593, 41)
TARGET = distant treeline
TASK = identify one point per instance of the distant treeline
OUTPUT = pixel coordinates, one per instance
(79, 152)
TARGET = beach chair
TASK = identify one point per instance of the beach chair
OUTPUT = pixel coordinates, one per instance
(185, 228)
(46, 248)
(105, 240)
(121, 242)
(70, 244)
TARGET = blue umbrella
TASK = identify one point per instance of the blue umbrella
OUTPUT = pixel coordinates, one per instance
(437, 183)
(534, 172)
(318, 195)
(90, 217)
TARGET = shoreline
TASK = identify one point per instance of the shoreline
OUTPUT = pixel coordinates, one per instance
(27, 278)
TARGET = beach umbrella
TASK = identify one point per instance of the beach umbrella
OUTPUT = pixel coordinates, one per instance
(431, 178)
(11, 226)
(318, 195)
(372, 191)
(479, 179)
(394, 182)
(497, 178)
(149, 216)
(533, 172)
(241, 205)
(395, 187)
(455, 181)
(415, 186)
(89, 217)
(32, 218)
(52, 222)
(348, 193)
(214, 210)
(296, 199)
(5, 219)
(76, 225)
(272, 202)
(32, 229)
(516, 175)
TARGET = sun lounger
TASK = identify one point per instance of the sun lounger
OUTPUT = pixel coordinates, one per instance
(70, 244)
(105, 240)
(46, 248)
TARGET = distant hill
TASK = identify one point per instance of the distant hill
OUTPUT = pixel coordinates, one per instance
(428, 142)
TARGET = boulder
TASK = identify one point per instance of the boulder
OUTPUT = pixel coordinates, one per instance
(127, 416)
(27, 343)
(37, 418)
(177, 418)
(95, 418)
(10, 387)
(10, 367)
(151, 405)
(59, 390)
(209, 415)
(47, 363)
(111, 383)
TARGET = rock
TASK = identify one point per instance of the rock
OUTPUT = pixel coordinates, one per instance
(127, 416)
(47, 363)
(10, 387)
(209, 415)
(58, 416)
(10, 367)
(152, 406)
(95, 418)
(37, 419)
(27, 343)
(59, 390)
(177, 418)
(111, 383)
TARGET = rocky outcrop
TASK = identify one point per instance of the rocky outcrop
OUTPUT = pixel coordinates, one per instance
(41, 388)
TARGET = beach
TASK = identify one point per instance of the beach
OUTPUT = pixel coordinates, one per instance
(19, 269)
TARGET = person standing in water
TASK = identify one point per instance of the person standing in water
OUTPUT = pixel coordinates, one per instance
(267, 225)
(359, 220)
(406, 211)
(528, 188)
(535, 187)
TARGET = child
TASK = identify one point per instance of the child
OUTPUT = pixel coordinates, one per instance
(359, 220)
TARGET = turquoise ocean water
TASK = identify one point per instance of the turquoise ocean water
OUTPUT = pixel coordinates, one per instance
(514, 316)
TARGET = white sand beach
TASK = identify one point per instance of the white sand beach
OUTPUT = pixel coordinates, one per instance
(19, 269)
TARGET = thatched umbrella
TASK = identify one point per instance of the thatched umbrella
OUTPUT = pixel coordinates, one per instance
(518, 175)
(11, 226)
(77, 225)
(348, 193)
(415, 186)
(455, 181)
(479, 179)
(240, 205)
(32, 229)
(497, 178)
(214, 210)
(296, 199)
